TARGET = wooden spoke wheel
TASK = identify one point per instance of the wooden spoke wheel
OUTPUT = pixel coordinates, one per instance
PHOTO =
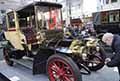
(7, 57)
(97, 61)
(62, 68)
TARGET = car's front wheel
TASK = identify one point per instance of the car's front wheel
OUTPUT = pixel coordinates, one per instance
(62, 68)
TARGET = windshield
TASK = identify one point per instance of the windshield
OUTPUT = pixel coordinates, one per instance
(48, 18)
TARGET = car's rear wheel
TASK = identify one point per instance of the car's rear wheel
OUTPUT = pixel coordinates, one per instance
(62, 68)
(6, 55)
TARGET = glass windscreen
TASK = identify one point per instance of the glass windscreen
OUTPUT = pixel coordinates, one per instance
(48, 18)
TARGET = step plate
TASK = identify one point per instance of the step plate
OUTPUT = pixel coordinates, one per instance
(25, 62)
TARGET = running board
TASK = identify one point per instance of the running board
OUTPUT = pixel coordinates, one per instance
(24, 62)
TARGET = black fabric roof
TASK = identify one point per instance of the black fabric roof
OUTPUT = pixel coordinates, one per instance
(48, 4)
(24, 11)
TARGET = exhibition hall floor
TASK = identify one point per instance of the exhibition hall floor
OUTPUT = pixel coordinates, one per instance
(20, 73)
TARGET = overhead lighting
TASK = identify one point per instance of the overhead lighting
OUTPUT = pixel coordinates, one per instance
(2, 2)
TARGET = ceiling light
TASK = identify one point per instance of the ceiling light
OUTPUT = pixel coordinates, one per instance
(2, 2)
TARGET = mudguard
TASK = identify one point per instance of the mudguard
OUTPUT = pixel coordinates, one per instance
(40, 60)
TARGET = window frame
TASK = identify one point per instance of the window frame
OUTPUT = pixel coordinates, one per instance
(12, 20)
(113, 1)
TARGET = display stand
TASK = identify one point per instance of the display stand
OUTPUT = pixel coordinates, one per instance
(3, 78)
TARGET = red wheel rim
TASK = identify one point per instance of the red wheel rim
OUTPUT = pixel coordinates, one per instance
(60, 70)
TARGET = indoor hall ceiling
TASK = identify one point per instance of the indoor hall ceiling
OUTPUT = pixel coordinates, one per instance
(12, 4)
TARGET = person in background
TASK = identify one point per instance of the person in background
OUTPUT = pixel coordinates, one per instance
(68, 30)
(76, 31)
(91, 31)
(113, 41)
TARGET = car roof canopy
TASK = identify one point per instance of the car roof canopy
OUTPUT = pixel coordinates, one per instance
(29, 9)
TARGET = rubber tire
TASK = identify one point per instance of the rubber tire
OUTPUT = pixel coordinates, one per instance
(103, 56)
(69, 61)
(7, 59)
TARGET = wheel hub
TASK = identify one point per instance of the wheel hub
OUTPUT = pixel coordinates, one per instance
(60, 71)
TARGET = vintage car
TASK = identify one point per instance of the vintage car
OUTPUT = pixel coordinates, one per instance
(34, 38)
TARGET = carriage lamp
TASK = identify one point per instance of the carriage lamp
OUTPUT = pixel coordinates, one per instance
(98, 48)
(84, 55)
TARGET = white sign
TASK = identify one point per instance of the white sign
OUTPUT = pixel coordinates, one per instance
(15, 78)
